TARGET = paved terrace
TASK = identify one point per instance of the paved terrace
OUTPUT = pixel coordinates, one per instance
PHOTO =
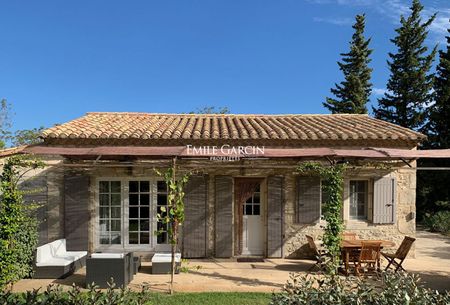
(432, 263)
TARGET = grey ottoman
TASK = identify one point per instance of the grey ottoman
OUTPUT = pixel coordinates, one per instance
(161, 263)
(101, 267)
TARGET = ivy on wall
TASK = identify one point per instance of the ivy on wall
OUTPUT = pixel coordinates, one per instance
(18, 225)
(332, 186)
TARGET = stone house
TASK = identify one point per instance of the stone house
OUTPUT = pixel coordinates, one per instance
(101, 192)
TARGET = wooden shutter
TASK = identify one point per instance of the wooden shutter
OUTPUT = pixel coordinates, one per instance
(275, 216)
(384, 200)
(194, 227)
(308, 199)
(35, 192)
(76, 212)
(224, 216)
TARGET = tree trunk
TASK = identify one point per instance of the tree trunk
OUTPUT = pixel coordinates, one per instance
(174, 248)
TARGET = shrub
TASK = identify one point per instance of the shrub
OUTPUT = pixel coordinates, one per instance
(394, 289)
(438, 222)
(54, 295)
(18, 225)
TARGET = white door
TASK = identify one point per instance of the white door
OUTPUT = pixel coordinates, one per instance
(252, 231)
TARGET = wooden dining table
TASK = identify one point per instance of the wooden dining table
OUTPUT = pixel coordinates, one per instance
(349, 246)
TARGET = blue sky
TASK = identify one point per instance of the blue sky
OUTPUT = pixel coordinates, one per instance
(60, 59)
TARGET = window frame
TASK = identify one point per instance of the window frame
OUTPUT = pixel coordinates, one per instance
(125, 245)
(367, 203)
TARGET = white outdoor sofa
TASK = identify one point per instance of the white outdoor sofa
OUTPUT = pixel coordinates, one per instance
(54, 261)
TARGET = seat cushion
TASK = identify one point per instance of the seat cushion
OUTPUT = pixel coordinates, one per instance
(60, 261)
(165, 257)
(107, 255)
(76, 254)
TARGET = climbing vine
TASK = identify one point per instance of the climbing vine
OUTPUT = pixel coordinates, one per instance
(18, 225)
(173, 216)
(332, 186)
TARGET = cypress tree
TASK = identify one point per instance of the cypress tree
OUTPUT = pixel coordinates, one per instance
(433, 194)
(353, 93)
(439, 126)
(409, 89)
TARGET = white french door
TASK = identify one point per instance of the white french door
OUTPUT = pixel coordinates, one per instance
(126, 214)
(252, 226)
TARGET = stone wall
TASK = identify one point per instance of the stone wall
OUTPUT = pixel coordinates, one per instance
(295, 244)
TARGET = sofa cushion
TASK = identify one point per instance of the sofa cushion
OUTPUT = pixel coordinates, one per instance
(107, 255)
(60, 261)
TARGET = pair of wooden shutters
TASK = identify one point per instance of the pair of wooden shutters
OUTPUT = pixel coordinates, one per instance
(309, 198)
(224, 216)
(35, 192)
(77, 215)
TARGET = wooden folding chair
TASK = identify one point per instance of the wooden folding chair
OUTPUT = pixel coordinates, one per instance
(369, 256)
(400, 254)
(319, 254)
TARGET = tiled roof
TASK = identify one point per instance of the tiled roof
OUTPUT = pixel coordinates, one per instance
(145, 126)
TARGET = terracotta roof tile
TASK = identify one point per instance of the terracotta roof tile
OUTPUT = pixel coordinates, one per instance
(147, 126)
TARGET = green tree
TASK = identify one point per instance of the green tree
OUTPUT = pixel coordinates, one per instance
(173, 216)
(432, 194)
(5, 122)
(353, 93)
(409, 89)
(211, 110)
(27, 136)
(439, 125)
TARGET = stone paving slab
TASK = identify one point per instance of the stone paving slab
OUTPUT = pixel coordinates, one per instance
(432, 263)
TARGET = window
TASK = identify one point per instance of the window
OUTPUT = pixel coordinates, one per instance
(358, 199)
(110, 212)
(126, 213)
(253, 204)
(139, 212)
(161, 201)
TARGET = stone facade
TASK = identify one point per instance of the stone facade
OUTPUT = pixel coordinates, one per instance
(294, 241)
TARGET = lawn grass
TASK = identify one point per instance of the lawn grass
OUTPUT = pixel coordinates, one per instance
(213, 298)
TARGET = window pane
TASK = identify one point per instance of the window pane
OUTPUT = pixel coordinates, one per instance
(133, 186)
(145, 199)
(134, 238)
(115, 212)
(104, 212)
(249, 200)
(145, 225)
(115, 238)
(161, 186)
(248, 209)
(361, 198)
(134, 212)
(104, 187)
(162, 199)
(115, 199)
(144, 212)
(361, 210)
(145, 238)
(256, 209)
(104, 239)
(115, 186)
(115, 225)
(256, 198)
(162, 238)
(134, 199)
(104, 225)
(133, 225)
(104, 199)
(145, 186)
